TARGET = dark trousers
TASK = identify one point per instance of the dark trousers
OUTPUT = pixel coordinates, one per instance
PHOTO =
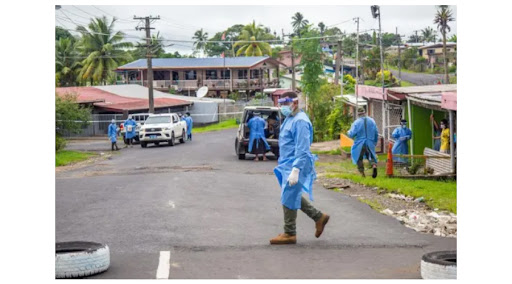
(189, 136)
(290, 216)
(114, 144)
(365, 153)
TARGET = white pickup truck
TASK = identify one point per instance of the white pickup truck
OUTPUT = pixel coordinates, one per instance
(162, 128)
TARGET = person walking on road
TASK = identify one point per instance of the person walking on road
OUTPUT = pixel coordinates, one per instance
(112, 134)
(366, 136)
(295, 171)
(257, 142)
(190, 124)
(401, 134)
(130, 126)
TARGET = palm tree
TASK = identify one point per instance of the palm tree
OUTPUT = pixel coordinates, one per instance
(249, 45)
(66, 62)
(201, 38)
(443, 17)
(321, 25)
(298, 23)
(157, 47)
(104, 49)
(428, 34)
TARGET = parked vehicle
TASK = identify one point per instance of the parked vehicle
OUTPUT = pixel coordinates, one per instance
(139, 118)
(242, 137)
(162, 128)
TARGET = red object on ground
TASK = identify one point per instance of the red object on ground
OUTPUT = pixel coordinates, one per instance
(389, 163)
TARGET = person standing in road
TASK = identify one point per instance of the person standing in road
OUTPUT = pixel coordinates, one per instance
(130, 126)
(112, 134)
(190, 124)
(295, 171)
(401, 134)
(445, 137)
(257, 142)
(366, 136)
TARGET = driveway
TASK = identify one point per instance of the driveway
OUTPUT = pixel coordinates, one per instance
(215, 215)
(419, 78)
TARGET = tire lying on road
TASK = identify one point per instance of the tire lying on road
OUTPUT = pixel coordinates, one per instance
(80, 259)
(439, 265)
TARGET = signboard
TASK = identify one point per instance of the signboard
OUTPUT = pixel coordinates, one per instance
(371, 92)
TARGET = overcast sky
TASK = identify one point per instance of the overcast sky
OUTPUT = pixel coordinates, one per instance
(180, 22)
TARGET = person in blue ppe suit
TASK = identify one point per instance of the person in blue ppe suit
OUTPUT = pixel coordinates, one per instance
(401, 135)
(190, 124)
(295, 171)
(129, 126)
(112, 134)
(257, 142)
(365, 135)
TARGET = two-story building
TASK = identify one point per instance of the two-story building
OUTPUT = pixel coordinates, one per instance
(434, 53)
(218, 74)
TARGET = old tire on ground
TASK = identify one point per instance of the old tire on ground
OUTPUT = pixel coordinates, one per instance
(80, 259)
(183, 138)
(439, 265)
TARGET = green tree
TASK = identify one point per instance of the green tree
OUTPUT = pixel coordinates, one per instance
(453, 38)
(104, 49)
(298, 23)
(200, 38)
(62, 33)
(157, 47)
(67, 62)
(371, 61)
(443, 17)
(414, 38)
(428, 34)
(333, 32)
(321, 25)
(248, 44)
(374, 38)
(69, 115)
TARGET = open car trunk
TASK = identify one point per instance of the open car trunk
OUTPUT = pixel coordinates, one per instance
(264, 114)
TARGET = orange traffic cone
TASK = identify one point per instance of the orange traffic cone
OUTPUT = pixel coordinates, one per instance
(389, 163)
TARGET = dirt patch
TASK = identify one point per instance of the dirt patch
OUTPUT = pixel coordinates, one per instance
(325, 146)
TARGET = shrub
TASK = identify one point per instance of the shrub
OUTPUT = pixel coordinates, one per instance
(452, 69)
(60, 143)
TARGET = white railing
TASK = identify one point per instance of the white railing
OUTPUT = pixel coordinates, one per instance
(186, 84)
(220, 83)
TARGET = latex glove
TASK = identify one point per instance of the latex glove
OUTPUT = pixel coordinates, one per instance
(294, 177)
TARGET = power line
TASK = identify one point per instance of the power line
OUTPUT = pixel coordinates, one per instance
(338, 23)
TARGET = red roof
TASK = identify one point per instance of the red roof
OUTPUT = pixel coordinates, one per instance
(280, 92)
(109, 101)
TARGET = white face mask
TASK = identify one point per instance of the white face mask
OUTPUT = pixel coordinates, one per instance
(443, 126)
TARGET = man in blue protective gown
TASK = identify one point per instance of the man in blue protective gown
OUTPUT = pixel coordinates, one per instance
(401, 135)
(112, 134)
(190, 124)
(295, 171)
(257, 142)
(365, 135)
(129, 126)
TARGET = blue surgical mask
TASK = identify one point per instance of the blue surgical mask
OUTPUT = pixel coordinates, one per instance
(403, 126)
(286, 110)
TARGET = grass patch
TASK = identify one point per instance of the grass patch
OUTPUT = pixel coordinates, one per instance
(331, 152)
(374, 204)
(63, 157)
(228, 124)
(437, 194)
(406, 84)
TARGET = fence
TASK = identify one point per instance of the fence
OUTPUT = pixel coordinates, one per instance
(432, 163)
(97, 126)
(235, 111)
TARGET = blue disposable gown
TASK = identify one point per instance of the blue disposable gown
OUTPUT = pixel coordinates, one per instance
(190, 124)
(295, 138)
(257, 131)
(112, 132)
(363, 136)
(400, 147)
(130, 134)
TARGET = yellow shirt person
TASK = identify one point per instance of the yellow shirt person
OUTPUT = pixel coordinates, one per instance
(445, 137)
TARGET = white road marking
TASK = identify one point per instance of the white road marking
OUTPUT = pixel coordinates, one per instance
(172, 204)
(164, 266)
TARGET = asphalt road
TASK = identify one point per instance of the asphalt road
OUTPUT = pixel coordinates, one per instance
(216, 214)
(419, 78)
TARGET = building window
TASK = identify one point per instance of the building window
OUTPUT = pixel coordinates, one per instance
(255, 74)
(225, 74)
(190, 75)
(431, 51)
(211, 74)
(242, 74)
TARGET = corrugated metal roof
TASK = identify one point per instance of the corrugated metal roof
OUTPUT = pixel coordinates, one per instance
(424, 89)
(196, 62)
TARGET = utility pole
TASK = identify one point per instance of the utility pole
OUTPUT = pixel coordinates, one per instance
(149, 56)
(357, 69)
(338, 63)
(341, 63)
(376, 13)
(293, 61)
(399, 58)
(416, 31)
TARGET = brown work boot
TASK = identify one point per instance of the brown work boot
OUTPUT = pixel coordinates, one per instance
(320, 224)
(283, 239)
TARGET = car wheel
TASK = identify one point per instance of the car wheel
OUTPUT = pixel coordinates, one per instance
(183, 138)
(143, 144)
(80, 259)
(171, 142)
(241, 156)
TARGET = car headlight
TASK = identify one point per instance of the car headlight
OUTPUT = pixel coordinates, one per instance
(167, 128)
(143, 130)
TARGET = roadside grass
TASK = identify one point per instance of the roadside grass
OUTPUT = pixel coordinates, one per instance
(437, 194)
(374, 204)
(375, 83)
(331, 152)
(64, 157)
(228, 124)
(406, 84)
